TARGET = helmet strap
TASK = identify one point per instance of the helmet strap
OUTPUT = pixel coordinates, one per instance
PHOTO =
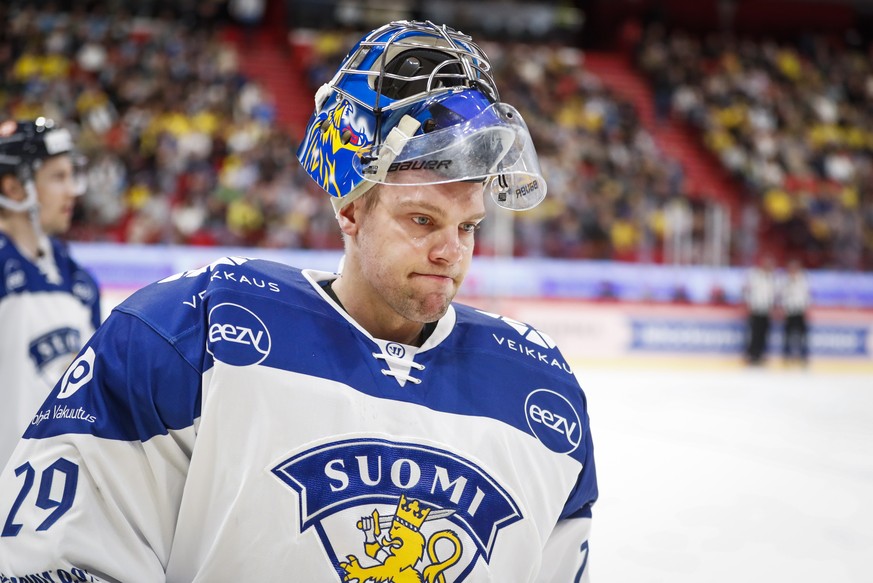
(30, 200)
(42, 244)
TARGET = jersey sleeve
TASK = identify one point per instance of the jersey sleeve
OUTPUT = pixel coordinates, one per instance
(565, 556)
(556, 414)
(93, 489)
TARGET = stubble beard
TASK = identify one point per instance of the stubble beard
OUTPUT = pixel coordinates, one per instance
(402, 294)
(423, 308)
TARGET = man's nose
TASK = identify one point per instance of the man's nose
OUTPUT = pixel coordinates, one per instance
(74, 185)
(448, 247)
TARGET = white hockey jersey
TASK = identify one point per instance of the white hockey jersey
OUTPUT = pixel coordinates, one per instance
(233, 423)
(46, 316)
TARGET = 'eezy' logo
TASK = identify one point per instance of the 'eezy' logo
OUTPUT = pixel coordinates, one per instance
(553, 420)
(239, 334)
(244, 335)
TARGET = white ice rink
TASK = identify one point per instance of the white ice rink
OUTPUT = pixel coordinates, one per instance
(732, 476)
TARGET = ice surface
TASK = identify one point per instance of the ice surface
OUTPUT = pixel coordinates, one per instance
(734, 476)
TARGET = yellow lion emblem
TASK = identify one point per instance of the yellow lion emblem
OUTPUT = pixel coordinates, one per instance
(398, 552)
(326, 141)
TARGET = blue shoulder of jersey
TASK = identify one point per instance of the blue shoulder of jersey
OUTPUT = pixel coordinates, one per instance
(521, 377)
(555, 408)
(140, 373)
(183, 304)
(506, 336)
(19, 275)
(13, 268)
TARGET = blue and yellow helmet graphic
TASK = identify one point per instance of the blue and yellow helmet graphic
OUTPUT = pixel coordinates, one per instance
(414, 96)
(332, 140)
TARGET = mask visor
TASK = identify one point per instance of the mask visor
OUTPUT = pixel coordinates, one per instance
(493, 146)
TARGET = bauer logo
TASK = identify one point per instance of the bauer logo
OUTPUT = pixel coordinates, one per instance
(419, 165)
(553, 420)
(237, 336)
(78, 374)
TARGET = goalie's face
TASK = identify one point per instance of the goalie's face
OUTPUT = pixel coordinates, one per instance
(408, 250)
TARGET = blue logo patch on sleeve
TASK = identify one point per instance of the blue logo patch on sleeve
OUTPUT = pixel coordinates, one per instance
(237, 335)
(553, 420)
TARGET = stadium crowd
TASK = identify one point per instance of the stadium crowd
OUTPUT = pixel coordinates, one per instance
(610, 187)
(183, 148)
(791, 121)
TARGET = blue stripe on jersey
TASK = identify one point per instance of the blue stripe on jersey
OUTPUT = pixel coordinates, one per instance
(259, 312)
(486, 367)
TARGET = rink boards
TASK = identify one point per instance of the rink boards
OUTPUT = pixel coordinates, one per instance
(592, 333)
(560, 299)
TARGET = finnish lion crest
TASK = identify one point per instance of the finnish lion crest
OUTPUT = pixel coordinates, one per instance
(398, 551)
(426, 514)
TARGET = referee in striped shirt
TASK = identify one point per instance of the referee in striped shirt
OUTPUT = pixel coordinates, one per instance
(794, 298)
(760, 297)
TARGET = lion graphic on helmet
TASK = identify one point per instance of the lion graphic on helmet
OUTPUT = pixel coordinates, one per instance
(328, 140)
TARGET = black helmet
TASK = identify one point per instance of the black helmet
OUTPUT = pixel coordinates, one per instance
(23, 147)
(24, 143)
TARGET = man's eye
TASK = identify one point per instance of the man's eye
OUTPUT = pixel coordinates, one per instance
(421, 220)
(470, 227)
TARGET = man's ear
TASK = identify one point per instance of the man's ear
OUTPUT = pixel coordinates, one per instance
(11, 187)
(348, 218)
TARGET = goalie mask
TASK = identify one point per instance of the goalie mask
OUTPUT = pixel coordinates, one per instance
(415, 103)
(24, 145)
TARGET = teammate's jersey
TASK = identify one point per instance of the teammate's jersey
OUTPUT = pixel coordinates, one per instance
(46, 316)
(234, 424)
